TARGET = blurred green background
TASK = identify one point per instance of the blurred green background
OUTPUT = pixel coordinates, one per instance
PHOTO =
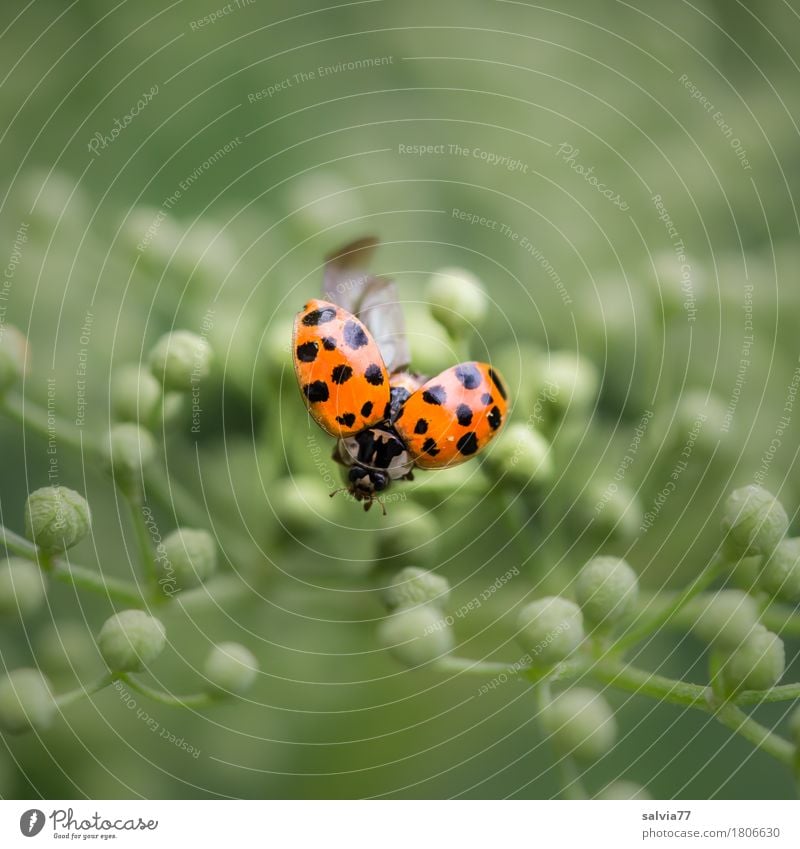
(218, 201)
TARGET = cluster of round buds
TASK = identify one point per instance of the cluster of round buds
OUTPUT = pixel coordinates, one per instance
(136, 396)
(129, 450)
(549, 630)
(413, 586)
(757, 663)
(14, 357)
(187, 557)
(179, 359)
(607, 590)
(417, 635)
(56, 518)
(22, 587)
(522, 454)
(566, 381)
(581, 723)
(131, 640)
(456, 300)
(26, 701)
(230, 669)
(754, 522)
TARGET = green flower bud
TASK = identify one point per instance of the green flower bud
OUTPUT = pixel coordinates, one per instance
(67, 649)
(456, 300)
(417, 635)
(676, 291)
(230, 669)
(613, 510)
(189, 556)
(607, 590)
(431, 347)
(781, 574)
(14, 356)
(56, 518)
(300, 502)
(180, 359)
(746, 571)
(131, 640)
(276, 346)
(129, 450)
(135, 395)
(22, 587)
(618, 790)
(754, 522)
(412, 586)
(550, 629)
(726, 618)
(581, 723)
(702, 417)
(567, 382)
(25, 701)
(522, 454)
(411, 531)
(757, 663)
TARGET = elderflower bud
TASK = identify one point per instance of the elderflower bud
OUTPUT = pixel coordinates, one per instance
(726, 618)
(14, 356)
(550, 629)
(581, 723)
(607, 589)
(757, 663)
(754, 522)
(22, 588)
(56, 518)
(191, 554)
(456, 300)
(230, 669)
(180, 358)
(412, 586)
(567, 382)
(135, 395)
(25, 701)
(131, 640)
(522, 454)
(129, 450)
(781, 573)
(416, 635)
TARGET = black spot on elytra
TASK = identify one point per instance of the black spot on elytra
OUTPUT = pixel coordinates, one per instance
(307, 352)
(366, 409)
(374, 374)
(354, 335)
(421, 427)
(315, 317)
(348, 419)
(487, 399)
(329, 343)
(316, 391)
(494, 418)
(497, 382)
(341, 374)
(434, 395)
(429, 447)
(464, 415)
(387, 410)
(468, 444)
(469, 376)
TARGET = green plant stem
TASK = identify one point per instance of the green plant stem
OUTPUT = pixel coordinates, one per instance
(195, 700)
(37, 418)
(69, 573)
(762, 738)
(626, 677)
(144, 544)
(784, 693)
(663, 617)
(84, 690)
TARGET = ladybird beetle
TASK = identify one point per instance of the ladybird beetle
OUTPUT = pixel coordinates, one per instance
(351, 358)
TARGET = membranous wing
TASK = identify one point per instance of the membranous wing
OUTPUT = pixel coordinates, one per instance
(348, 283)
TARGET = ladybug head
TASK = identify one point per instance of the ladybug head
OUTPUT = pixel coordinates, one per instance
(365, 484)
